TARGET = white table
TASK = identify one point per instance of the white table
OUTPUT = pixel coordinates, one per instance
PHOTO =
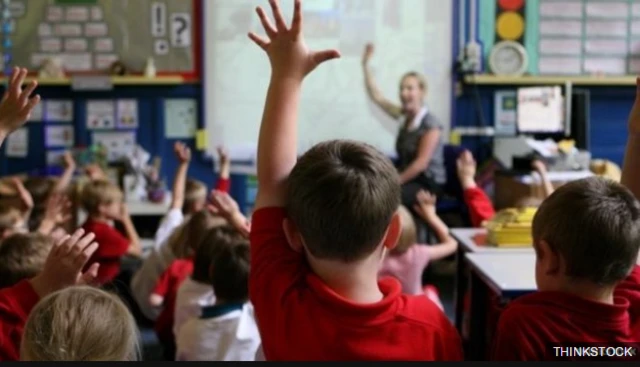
(145, 208)
(508, 275)
(466, 239)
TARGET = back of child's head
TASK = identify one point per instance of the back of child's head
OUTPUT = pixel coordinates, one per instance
(341, 197)
(185, 239)
(80, 324)
(22, 256)
(594, 225)
(230, 267)
(39, 187)
(213, 240)
(195, 196)
(10, 220)
(99, 192)
(408, 234)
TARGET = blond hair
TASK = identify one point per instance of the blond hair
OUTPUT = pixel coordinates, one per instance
(408, 235)
(195, 191)
(22, 256)
(80, 324)
(184, 241)
(99, 192)
(9, 217)
(422, 82)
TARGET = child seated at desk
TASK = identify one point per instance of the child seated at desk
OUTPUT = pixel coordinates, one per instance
(407, 261)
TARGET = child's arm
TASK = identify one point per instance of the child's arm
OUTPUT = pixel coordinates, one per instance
(480, 206)
(291, 61)
(16, 106)
(224, 205)
(426, 208)
(631, 168)
(156, 299)
(541, 169)
(56, 213)
(25, 198)
(130, 230)
(69, 169)
(224, 182)
(184, 157)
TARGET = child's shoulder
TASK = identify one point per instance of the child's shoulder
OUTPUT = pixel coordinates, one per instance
(420, 310)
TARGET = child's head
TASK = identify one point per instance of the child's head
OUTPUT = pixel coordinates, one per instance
(195, 196)
(212, 241)
(587, 232)
(80, 324)
(11, 221)
(102, 198)
(408, 235)
(39, 187)
(341, 202)
(185, 239)
(230, 267)
(22, 256)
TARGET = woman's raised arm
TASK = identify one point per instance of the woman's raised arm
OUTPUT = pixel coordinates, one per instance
(390, 108)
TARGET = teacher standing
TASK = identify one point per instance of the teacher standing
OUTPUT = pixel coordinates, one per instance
(419, 143)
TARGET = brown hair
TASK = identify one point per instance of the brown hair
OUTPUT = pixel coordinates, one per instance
(80, 324)
(230, 267)
(408, 235)
(22, 256)
(195, 191)
(422, 82)
(99, 192)
(211, 243)
(594, 225)
(9, 217)
(39, 187)
(184, 241)
(341, 197)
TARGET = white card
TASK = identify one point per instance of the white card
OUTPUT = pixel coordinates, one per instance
(117, 144)
(96, 13)
(55, 14)
(67, 30)
(105, 61)
(158, 19)
(76, 44)
(59, 136)
(103, 45)
(181, 30)
(77, 14)
(50, 44)
(55, 157)
(100, 114)
(37, 114)
(58, 110)
(180, 118)
(45, 30)
(96, 30)
(127, 113)
(18, 143)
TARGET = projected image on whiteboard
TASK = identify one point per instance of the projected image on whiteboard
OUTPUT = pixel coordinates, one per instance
(409, 35)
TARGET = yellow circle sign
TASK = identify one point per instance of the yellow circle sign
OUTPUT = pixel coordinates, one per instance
(510, 26)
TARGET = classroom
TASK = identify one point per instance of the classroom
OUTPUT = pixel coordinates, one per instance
(319, 180)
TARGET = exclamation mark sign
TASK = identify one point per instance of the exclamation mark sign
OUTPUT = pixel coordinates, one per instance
(158, 19)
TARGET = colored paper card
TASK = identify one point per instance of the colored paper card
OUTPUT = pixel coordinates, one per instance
(201, 140)
(127, 113)
(180, 118)
(18, 143)
(101, 114)
(55, 158)
(118, 144)
(59, 136)
(37, 114)
(58, 110)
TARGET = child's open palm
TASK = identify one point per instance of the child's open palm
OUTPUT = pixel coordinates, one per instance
(16, 106)
(182, 152)
(634, 116)
(426, 203)
(289, 55)
(466, 165)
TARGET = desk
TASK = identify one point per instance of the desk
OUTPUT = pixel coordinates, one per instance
(508, 275)
(471, 240)
(144, 208)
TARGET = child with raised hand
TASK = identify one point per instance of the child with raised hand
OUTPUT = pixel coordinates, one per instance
(480, 206)
(55, 210)
(226, 330)
(407, 261)
(80, 324)
(22, 256)
(188, 198)
(63, 268)
(321, 228)
(17, 103)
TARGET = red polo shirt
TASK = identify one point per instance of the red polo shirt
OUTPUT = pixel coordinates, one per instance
(530, 324)
(167, 287)
(112, 247)
(16, 304)
(300, 318)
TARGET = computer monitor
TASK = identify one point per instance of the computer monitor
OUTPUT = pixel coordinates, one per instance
(541, 110)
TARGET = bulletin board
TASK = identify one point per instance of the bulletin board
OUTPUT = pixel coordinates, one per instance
(89, 35)
(567, 37)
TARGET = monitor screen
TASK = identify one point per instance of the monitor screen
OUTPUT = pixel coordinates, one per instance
(541, 110)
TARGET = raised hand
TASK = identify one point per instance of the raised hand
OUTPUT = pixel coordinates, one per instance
(223, 204)
(538, 166)
(95, 172)
(466, 167)
(25, 196)
(63, 267)
(368, 53)
(223, 156)
(288, 54)
(16, 106)
(634, 116)
(58, 209)
(68, 161)
(426, 205)
(183, 153)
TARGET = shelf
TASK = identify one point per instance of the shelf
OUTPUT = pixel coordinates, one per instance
(116, 80)
(485, 79)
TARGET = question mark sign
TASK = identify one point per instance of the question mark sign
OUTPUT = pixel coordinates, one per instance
(181, 28)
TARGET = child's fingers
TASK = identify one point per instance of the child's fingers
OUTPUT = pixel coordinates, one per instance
(81, 260)
(277, 15)
(84, 242)
(322, 56)
(259, 41)
(296, 23)
(266, 23)
(17, 87)
(89, 276)
(27, 92)
(33, 102)
(70, 242)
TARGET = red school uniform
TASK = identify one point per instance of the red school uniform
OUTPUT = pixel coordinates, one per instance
(112, 247)
(300, 318)
(167, 287)
(531, 324)
(16, 304)
(480, 206)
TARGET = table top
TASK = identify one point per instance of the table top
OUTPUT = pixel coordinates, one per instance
(473, 240)
(508, 274)
(145, 208)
